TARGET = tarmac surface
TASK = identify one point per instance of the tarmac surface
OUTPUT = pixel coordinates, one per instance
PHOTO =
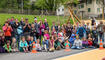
(40, 55)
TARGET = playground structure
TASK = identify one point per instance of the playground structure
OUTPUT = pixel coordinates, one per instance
(77, 20)
(73, 16)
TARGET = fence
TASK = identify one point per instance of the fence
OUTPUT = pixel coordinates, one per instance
(28, 11)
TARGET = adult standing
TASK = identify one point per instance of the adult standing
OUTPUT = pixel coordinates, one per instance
(68, 30)
(36, 27)
(54, 26)
(41, 29)
(7, 31)
(59, 27)
(81, 31)
(46, 25)
(22, 22)
(33, 31)
(26, 28)
(100, 30)
(93, 21)
(16, 25)
(12, 21)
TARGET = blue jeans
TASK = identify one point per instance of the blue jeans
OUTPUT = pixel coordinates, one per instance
(47, 43)
(76, 47)
(101, 36)
(35, 38)
(71, 42)
(18, 38)
(85, 45)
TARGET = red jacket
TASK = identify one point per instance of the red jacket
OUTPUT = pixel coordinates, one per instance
(7, 30)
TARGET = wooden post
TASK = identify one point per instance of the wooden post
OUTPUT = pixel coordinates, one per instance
(72, 17)
(103, 11)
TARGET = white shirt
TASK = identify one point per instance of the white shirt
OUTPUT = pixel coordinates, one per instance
(77, 43)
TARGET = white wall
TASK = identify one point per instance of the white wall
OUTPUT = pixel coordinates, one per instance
(60, 12)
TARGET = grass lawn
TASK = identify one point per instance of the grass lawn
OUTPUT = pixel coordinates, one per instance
(61, 19)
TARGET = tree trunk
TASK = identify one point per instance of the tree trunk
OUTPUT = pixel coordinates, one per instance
(22, 6)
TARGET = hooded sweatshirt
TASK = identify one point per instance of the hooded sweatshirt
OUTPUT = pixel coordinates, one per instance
(72, 38)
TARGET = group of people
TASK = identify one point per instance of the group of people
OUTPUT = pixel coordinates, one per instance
(18, 36)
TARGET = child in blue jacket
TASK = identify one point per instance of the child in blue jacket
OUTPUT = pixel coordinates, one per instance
(72, 39)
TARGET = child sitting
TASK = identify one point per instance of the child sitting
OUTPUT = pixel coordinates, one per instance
(2, 43)
(72, 39)
(57, 44)
(23, 45)
(61, 38)
(46, 40)
(52, 44)
(90, 42)
(84, 43)
(14, 45)
(77, 44)
(31, 43)
(38, 47)
(95, 37)
(7, 47)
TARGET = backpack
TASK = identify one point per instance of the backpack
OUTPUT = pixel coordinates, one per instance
(19, 30)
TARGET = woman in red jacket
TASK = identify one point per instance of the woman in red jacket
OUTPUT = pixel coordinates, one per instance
(7, 31)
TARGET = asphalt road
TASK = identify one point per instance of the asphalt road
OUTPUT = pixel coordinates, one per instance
(39, 55)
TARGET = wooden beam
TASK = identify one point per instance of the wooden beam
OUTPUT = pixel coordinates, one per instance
(72, 17)
(75, 15)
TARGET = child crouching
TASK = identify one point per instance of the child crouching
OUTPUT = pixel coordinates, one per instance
(7, 47)
(38, 47)
(52, 44)
(85, 43)
(23, 45)
(14, 45)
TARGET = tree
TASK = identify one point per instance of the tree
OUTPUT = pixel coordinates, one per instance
(52, 5)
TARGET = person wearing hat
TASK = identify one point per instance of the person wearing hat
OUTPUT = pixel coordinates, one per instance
(77, 43)
(35, 18)
(37, 28)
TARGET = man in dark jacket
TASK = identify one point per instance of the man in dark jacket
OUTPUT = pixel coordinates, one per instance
(37, 28)
(26, 28)
(54, 26)
(46, 25)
